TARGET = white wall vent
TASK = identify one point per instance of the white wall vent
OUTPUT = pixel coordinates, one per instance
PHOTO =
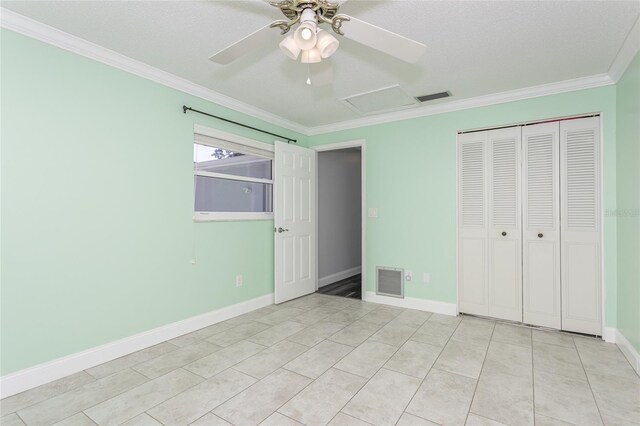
(390, 281)
(387, 99)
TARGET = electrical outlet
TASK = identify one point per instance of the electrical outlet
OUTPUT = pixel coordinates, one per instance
(373, 212)
(426, 277)
(239, 280)
(408, 275)
(193, 261)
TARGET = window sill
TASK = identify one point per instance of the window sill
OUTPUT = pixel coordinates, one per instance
(230, 216)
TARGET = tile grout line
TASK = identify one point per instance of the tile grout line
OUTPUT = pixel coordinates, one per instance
(142, 384)
(210, 411)
(475, 389)
(282, 414)
(148, 380)
(533, 381)
(176, 347)
(333, 366)
(434, 362)
(282, 367)
(205, 378)
(148, 414)
(595, 401)
(190, 362)
(93, 379)
(22, 420)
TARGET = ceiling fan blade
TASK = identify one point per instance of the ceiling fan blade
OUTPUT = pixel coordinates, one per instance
(385, 41)
(321, 73)
(240, 48)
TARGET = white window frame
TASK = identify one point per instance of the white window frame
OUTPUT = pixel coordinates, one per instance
(230, 216)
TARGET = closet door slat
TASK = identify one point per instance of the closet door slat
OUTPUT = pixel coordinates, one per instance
(541, 227)
(472, 224)
(580, 228)
(505, 242)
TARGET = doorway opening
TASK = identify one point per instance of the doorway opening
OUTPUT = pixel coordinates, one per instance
(340, 219)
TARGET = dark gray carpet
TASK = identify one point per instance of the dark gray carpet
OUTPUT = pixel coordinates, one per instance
(349, 287)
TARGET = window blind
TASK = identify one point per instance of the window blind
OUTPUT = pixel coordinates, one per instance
(233, 146)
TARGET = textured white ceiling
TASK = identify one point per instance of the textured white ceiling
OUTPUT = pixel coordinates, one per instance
(474, 48)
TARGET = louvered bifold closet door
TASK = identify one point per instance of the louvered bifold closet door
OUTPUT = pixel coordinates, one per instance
(505, 242)
(472, 224)
(541, 225)
(580, 182)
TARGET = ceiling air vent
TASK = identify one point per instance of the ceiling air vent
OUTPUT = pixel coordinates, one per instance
(380, 100)
(433, 96)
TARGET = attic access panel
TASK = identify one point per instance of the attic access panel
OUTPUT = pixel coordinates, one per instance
(387, 99)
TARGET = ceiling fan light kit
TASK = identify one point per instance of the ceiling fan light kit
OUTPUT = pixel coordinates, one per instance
(290, 48)
(311, 56)
(327, 44)
(305, 35)
(312, 44)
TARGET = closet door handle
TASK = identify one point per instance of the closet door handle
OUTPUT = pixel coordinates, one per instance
(504, 234)
(540, 235)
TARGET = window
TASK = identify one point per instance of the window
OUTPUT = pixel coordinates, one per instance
(233, 177)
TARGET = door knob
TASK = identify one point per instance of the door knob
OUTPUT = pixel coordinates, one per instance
(540, 235)
(504, 234)
(281, 230)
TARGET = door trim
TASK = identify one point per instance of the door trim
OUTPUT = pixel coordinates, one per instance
(602, 211)
(357, 143)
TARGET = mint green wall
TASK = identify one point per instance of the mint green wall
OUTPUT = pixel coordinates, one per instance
(628, 181)
(411, 179)
(96, 175)
(97, 230)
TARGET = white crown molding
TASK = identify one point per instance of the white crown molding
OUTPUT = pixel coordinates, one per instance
(40, 374)
(55, 37)
(480, 101)
(627, 52)
(42, 32)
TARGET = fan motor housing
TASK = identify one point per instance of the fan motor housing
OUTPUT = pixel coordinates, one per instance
(292, 8)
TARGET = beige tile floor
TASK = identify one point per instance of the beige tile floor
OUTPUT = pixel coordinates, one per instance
(327, 360)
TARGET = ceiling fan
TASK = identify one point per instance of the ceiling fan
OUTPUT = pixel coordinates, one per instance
(311, 43)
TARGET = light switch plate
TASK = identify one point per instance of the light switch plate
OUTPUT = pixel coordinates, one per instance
(373, 212)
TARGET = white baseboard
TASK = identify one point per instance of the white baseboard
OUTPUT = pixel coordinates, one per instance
(628, 350)
(40, 374)
(330, 279)
(609, 334)
(413, 303)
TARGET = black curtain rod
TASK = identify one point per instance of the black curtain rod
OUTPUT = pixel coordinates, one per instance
(552, 120)
(288, 139)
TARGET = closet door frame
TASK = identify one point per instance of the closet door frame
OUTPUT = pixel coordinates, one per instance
(607, 334)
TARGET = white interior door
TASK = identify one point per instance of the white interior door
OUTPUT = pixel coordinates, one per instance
(295, 221)
(473, 297)
(505, 241)
(541, 225)
(580, 195)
